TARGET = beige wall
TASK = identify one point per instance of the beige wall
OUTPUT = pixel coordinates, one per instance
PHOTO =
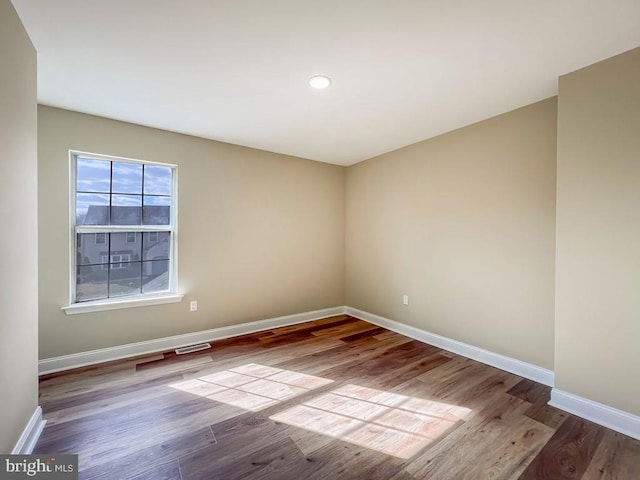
(598, 239)
(18, 242)
(260, 234)
(464, 224)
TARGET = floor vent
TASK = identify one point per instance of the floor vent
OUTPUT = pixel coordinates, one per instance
(192, 348)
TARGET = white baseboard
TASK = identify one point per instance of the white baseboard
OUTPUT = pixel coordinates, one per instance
(609, 417)
(512, 365)
(30, 434)
(604, 415)
(617, 420)
(82, 359)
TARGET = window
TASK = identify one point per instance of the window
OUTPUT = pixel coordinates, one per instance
(124, 220)
(115, 262)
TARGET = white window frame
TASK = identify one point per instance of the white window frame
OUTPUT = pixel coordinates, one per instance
(123, 261)
(135, 237)
(142, 299)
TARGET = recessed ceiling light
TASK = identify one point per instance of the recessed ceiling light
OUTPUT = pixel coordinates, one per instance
(320, 81)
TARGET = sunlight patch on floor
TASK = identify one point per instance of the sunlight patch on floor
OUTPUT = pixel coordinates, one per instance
(387, 422)
(251, 387)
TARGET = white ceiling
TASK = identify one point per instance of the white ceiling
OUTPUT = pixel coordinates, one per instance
(237, 70)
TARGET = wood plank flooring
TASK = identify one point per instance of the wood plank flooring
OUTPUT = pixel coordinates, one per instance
(336, 398)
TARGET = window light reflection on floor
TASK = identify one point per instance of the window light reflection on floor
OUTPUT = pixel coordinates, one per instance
(251, 387)
(387, 422)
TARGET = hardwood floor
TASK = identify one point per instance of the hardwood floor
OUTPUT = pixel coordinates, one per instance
(336, 398)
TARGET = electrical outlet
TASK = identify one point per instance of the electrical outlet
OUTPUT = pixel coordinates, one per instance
(193, 306)
(405, 299)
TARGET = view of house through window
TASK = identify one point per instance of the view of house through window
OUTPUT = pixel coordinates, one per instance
(124, 227)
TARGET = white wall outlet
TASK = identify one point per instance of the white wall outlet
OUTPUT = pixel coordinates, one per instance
(193, 306)
(405, 299)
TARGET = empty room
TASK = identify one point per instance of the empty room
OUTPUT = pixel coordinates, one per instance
(320, 240)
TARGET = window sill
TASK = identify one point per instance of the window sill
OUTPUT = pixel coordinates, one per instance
(103, 305)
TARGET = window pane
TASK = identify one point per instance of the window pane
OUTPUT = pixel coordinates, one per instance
(91, 283)
(126, 178)
(156, 246)
(120, 245)
(101, 238)
(126, 209)
(91, 248)
(118, 263)
(92, 209)
(156, 210)
(93, 175)
(157, 180)
(124, 276)
(155, 276)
